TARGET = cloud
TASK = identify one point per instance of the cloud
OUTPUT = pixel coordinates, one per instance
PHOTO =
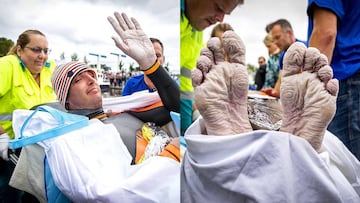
(81, 26)
(250, 19)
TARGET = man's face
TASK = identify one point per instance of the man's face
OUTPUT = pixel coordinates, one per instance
(159, 52)
(85, 92)
(160, 56)
(281, 38)
(261, 61)
(203, 13)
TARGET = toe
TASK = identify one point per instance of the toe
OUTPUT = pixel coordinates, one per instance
(325, 73)
(333, 87)
(214, 44)
(208, 53)
(314, 60)
(234, 47)
(294, 59)
(197, 77)
(203, 66)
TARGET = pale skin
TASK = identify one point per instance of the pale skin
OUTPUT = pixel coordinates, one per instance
(308, 95)
(221, 86)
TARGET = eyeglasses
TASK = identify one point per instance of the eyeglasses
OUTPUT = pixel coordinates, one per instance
(38, 50)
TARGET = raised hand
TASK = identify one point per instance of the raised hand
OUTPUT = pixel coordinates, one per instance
(133, 40)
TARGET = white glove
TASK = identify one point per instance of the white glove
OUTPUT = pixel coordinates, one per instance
(4, 146)
(134, 41)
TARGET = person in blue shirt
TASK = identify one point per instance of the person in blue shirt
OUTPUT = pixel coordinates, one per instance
(142, 82)
(283, 36)
(334, 28)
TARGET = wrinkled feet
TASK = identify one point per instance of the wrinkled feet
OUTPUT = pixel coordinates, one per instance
(221, 87)
(308, 94)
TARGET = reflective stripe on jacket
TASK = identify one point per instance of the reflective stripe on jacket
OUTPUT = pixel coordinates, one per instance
(190, 46)
(19, 90)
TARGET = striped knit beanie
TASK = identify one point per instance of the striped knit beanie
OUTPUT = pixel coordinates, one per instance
(63, 75)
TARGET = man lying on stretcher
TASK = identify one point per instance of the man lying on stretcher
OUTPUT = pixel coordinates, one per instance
(79, 92)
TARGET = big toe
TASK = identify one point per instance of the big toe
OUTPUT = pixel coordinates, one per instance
(214, 44)
(314, 60)
(234, 47)
(203, 66)
(294, 59)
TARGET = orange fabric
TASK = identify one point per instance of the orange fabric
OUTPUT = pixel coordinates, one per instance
(152, 68)
(141, 144)
(171, 151)
(147, 108)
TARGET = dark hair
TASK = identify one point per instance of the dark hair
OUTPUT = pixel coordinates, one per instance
(261, 57)
(221, 27)
(284, 24)
(153, 40)
(23, 40)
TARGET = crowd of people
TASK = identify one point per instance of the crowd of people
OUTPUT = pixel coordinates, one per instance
(226, 159)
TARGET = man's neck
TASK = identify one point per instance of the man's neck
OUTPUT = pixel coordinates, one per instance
(90, 113)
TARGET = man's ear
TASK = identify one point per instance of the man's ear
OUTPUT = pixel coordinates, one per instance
(290, 32)
(67, 105)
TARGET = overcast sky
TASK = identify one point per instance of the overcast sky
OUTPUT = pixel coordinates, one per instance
(250, 19)
(80, 26)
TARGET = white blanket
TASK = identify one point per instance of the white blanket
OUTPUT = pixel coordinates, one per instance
(130, 102)
(155, 180)
(266, 166)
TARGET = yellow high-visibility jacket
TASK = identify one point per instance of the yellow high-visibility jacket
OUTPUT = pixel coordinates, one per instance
(190, 46)
(19, 90)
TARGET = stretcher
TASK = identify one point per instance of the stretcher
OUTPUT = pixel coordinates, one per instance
(25, 176)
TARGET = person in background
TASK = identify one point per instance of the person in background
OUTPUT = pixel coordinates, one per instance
(219, 29)
(195, 16)
(231, 167)
(142, 82)
(79, 91)
(334, 29)
(272, 65)
(260, 73)
(283, 36)
(24, 82)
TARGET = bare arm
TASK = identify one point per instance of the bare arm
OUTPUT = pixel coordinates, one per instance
(324, 33)
(277, 85)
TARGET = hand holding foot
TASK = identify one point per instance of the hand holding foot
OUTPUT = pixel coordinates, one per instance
(308, 94)
(221, 87)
